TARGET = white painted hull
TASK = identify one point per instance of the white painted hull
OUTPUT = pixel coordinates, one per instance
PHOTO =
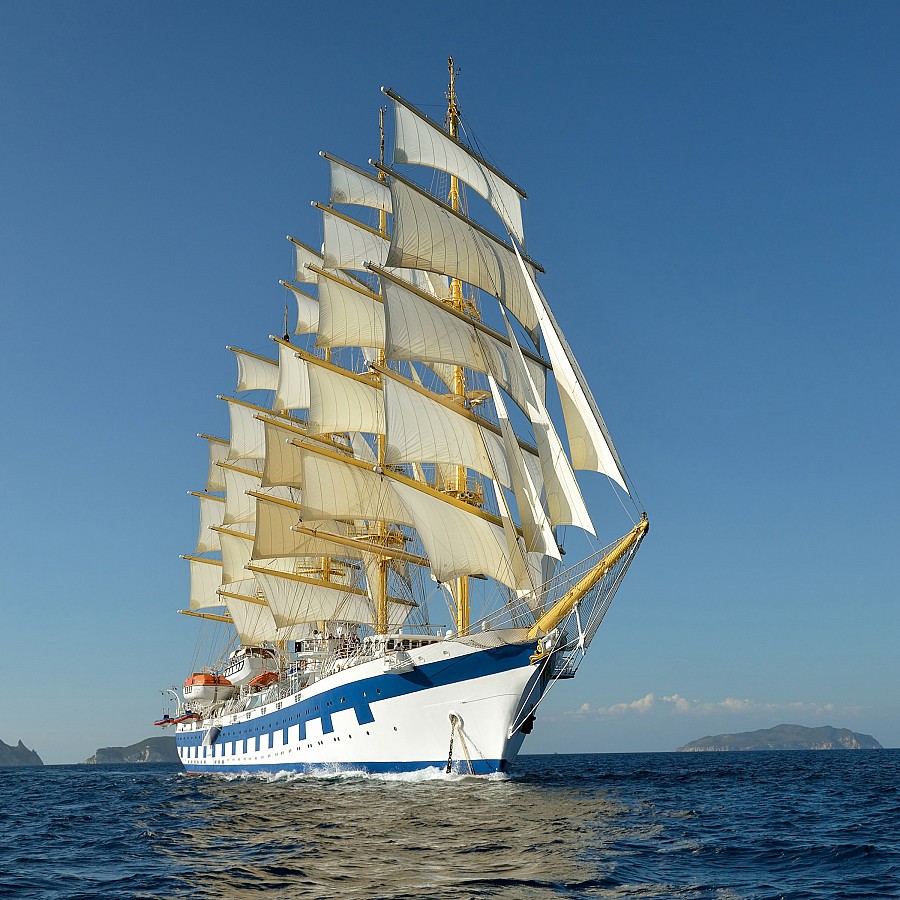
(365, 718)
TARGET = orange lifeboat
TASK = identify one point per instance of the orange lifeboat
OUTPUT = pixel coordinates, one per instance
(205, 688)
(263, 680)
(205, 678)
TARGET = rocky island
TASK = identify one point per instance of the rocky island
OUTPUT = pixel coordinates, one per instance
(152, 750)
(19, 755)
(786, 737)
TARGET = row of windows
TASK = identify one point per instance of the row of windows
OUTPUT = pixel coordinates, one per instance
(230, 748)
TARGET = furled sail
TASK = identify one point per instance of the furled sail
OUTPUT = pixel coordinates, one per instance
(420, 141)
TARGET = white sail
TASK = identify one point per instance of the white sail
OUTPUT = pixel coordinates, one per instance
(238, 506)
(351, 185)
(305, 256)
(292, 391)
(350, 244)
(565, 503)
(428, 235)
(307, 310)
(423, 330)
(294, 601)
(349, 317)
(420, 429)
(206, 576)
(212, 509)
(536, 527)
(253, 622)
(589, 442)
(282, 465)
(237, 545)
(275, 538)
(340, 402)
(247, 436)
(255, 373)
(334, 489)
(457, 541)
(218, 452)
(419, 141)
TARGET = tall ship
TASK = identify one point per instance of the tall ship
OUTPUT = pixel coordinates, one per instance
(379, 571)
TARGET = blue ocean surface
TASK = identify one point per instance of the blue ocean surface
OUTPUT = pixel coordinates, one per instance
(689, 825)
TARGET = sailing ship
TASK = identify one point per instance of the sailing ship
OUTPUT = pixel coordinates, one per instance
(380, 547)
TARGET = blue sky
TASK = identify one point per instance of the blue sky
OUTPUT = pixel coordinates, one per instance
(714, 192)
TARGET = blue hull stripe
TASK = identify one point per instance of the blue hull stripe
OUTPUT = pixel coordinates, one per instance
(481, 767)
(360, 695)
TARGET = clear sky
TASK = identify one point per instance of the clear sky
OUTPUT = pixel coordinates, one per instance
(714, 192)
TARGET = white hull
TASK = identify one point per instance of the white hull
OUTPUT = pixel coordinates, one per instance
(365, 718)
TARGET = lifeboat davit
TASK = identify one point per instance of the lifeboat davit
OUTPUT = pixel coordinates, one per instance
(203, 687)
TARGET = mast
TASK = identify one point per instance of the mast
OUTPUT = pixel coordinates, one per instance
(382, 533)
(459, 486)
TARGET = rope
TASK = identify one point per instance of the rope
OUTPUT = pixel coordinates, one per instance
(456, 727)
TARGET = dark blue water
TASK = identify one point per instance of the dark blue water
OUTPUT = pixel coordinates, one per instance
(691, 825)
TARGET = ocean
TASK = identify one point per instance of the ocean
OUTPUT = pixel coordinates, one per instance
(793, 825)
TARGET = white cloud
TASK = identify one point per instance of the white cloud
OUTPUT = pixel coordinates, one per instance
(675, 704)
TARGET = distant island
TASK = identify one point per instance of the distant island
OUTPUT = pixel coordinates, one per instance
(152, 750)
(19, 755)
(786, 737)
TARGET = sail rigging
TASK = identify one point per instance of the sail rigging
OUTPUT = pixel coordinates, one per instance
(392, 460)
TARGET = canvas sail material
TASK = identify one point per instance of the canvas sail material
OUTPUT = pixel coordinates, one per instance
(565, 503)
(307, 311)
(457, 541)
(348, 317)
(420, 429)
(339, 402)
(206, 576)
(218, 452)
(334, 489)
(254, 372)
(351, 185)
(247, 436)
(421, 142)
(292, 391)
(429, 235)
(589, 442)
(212, 509)
(282, 465)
